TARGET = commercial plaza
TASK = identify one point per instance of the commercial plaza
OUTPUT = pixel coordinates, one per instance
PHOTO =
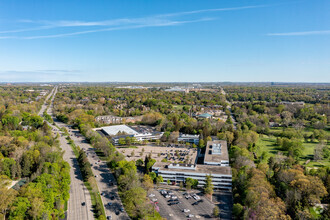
(177, 166)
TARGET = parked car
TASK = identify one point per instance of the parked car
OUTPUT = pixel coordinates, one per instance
(188, 196)
(186, 210)
(83, 203)
(152, 195)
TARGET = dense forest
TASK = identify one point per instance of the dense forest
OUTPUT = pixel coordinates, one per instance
(30, 159)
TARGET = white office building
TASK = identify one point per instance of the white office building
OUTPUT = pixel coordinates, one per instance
(122, 131)
(215, 164)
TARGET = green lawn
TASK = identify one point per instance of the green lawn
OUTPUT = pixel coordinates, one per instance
(267, 144)
(178, 107)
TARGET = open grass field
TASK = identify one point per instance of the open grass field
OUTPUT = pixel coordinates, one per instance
(267, 144)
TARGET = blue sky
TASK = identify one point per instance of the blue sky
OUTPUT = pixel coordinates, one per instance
(165, 41)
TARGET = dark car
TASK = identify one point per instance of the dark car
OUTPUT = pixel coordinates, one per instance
(117, 212)
(174, 203)
(83, 203)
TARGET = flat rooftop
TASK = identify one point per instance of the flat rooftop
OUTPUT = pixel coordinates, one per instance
(113, 130)
(216, 151)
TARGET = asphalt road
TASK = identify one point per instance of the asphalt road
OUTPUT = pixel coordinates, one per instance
(78, 192)
(44, 106)
(103, 176)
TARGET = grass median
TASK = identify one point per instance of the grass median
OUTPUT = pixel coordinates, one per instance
(89, 180)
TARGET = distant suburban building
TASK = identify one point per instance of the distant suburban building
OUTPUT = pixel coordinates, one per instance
(110, 119)
(205, 115)
(177, 89)
(216, 164)
(293, 103)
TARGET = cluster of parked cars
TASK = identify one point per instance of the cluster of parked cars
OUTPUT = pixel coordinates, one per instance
(178, 154)
(173, 199)
(196, 197)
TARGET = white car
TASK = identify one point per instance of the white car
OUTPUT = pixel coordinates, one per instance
(190, 215)
(167, 196)
(154, 200)
(186, 210)
(151, 195)
(174, 197)
(196, 197)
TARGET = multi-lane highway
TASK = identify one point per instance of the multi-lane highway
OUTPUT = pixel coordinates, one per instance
(44, 105)
(80, 203)
(104, 178)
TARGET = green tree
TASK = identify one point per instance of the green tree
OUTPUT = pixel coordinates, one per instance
(139, 162)
(121, 141)
(201, 143)
(216, 212)
(208, 188)
(147, 182)
(19, 208)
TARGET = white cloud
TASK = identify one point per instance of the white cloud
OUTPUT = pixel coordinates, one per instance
(154, 24)
(303, 33)
(210, 10)
(114, 24)
(39, 75)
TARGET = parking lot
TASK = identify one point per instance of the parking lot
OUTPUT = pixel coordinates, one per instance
(171, 154)
(177, 206)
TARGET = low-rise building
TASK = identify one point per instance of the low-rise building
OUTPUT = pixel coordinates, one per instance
(292, 103)
(190, 138)
(216, 164)
(141, 133)
(110, 119)
(205, 115)
(216, 153)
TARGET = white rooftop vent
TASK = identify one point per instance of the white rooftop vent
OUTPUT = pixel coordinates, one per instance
(216, 149)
